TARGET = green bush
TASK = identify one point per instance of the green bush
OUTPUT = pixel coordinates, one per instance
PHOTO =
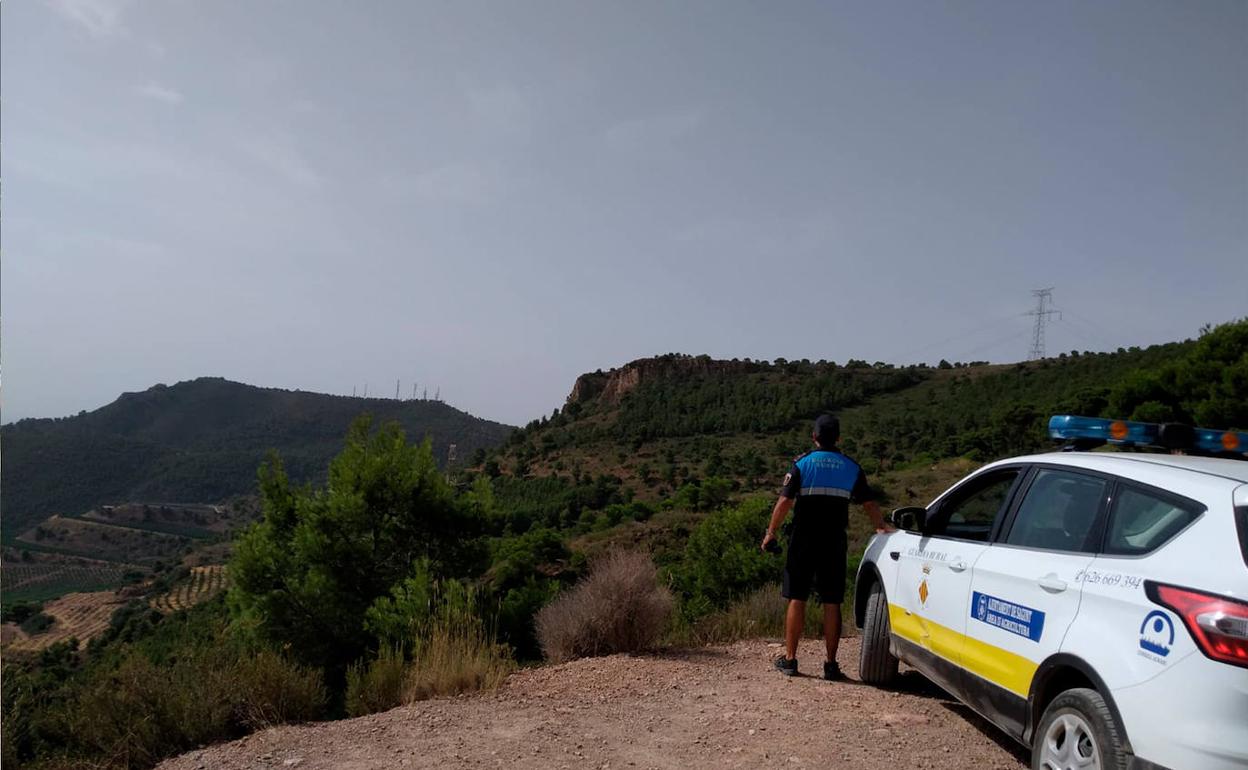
(19, 611)
(187, 681)
(135, 715)
(517, 610)
(37, 623)
(722, 561)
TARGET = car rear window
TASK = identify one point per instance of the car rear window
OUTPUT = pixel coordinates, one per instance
(1058, 512)
(1142, 520)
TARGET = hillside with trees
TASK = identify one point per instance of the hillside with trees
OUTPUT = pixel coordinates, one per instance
(389, 580)
(672, 426)
(199, 441)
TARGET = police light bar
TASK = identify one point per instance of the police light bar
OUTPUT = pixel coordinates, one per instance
(1070, 428)
(1093, 431)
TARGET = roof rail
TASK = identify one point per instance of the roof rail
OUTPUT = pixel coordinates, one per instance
(1084, 433)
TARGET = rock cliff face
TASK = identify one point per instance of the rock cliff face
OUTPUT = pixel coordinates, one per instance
(609, 387)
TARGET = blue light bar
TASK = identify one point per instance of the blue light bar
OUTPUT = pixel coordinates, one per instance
(1217, 441)
(1066, 427)
(1069, 428)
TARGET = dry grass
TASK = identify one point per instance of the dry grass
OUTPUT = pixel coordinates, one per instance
(456, 658)
(376, 685)
(455, 654)
(619, 607)
(759, 614)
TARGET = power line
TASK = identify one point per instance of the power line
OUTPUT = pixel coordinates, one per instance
(993, 343)
(1044, 309)
(934, 348)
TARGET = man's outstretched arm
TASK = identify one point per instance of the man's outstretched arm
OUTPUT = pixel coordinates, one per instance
(783, 506)
(877, 517)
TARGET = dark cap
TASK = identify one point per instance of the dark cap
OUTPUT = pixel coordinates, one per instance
(827, 430)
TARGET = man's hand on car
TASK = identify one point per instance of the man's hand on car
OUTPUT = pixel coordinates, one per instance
(885, 529)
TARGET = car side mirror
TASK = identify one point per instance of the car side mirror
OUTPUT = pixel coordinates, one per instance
(912, 518)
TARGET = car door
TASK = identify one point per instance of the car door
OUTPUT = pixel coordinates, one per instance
(928, 601)
(1026, 586)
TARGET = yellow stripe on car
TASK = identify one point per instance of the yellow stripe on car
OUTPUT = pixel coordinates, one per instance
(1001, 667)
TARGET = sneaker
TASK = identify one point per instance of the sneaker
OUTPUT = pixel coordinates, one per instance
(786, 666)
(832, 671)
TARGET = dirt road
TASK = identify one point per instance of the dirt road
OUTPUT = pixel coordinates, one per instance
(721, 707)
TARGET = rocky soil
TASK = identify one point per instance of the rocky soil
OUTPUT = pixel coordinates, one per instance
(721, 707)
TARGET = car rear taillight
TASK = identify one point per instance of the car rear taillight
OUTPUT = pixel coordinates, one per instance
(1218, 625)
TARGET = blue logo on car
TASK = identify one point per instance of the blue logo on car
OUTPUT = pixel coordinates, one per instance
(1008, 616)
(1157, 633)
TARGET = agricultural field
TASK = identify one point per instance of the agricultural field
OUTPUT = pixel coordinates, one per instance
(105, 542)
(203, 583)
(78, 615)
(37, 577)
(196, 521)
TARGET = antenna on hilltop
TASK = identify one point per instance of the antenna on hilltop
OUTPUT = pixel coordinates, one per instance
(437, 396)
(1044, 309)
(396, 390)
(413, 391)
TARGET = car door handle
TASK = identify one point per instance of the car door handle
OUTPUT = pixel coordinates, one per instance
(958, 566)
(894, 555)
(1052, 583)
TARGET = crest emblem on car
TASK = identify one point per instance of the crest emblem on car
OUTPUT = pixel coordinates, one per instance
(1157, 633)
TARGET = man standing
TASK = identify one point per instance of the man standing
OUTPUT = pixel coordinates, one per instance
(819, 489)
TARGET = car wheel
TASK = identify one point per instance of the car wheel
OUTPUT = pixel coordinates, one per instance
(876, 665)
(1078, 731)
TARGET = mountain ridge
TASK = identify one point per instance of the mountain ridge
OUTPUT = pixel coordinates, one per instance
(201, 441)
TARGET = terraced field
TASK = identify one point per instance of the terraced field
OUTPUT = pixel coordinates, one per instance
(27, 575)
(203, 583)
(90, 539)
(80, 615)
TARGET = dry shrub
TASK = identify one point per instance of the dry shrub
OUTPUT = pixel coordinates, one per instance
(619, 607)
(142, 712)
(271, 690)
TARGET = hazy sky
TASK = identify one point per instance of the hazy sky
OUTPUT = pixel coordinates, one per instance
(493, 198)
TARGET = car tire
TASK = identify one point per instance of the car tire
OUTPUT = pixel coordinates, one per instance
(1078, 725)
(876, 664)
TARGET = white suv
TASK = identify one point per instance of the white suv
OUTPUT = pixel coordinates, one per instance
(1092, 605)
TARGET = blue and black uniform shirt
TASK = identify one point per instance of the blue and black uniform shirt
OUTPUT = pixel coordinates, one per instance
(824, 483)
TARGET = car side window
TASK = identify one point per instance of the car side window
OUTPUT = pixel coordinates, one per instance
(970, 512)
(1059, 511)
(1141, 521)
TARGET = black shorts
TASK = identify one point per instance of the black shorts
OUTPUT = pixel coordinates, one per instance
(818, 563)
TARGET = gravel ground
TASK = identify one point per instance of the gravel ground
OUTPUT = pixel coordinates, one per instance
(721, 707)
